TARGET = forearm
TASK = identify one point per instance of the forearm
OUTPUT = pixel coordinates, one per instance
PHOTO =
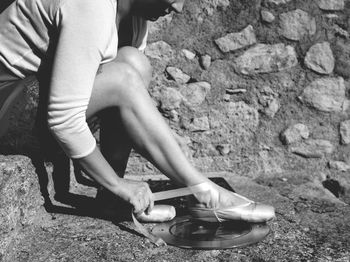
(96, 166)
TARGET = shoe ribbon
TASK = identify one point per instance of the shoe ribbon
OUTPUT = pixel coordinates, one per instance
(167, 195)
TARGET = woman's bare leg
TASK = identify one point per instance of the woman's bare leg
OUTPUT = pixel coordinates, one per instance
(121, 86)
(114, 140)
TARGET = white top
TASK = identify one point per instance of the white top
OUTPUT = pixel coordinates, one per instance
(87, 35)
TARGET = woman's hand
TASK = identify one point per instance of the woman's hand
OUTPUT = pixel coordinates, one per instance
(137, 193)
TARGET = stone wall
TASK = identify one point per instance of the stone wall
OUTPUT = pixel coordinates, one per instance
(257, 87)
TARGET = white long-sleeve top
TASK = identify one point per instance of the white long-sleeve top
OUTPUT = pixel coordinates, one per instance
(77, 36)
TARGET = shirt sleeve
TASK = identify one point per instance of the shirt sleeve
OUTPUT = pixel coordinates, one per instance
(85, 27)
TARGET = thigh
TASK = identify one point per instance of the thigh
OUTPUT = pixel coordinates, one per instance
(117, 84)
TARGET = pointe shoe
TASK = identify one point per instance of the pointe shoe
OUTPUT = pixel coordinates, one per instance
(249, 212)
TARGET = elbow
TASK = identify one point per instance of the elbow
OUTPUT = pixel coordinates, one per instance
(62, 123)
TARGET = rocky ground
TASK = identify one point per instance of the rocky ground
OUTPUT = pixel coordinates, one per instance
(258, 92)
(311, 225)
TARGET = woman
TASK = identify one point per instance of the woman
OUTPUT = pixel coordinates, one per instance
(78, 41)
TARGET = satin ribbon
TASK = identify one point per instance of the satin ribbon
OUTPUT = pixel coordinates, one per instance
(166, 195)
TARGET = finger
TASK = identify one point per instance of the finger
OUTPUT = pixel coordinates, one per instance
(144, 205)
(136, 209)
(138, 205)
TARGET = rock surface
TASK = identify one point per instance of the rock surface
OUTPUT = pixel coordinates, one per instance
(294, 25)
(277, 2)
(21, 202)
(169, 99)
(320, 58)
(306, 228)
(266, 59)
(159, 50)
(235, 41)
(345, 132)
(331, 5)
(199, 124)
(339, 165)
(326, 94)
(267, 16)
(195, 93)
(188, 54)
(176, 74)
(312, 148)
(342, 55)
(205, 61)
(295, 133)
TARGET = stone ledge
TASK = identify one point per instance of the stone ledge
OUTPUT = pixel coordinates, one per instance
(21, 202)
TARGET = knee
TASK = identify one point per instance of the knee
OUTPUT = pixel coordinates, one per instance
(126, 84)
(138, 61)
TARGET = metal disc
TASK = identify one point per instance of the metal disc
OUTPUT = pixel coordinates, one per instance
(186, 232)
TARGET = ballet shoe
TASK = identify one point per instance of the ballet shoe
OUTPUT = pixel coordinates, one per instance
(250, 212)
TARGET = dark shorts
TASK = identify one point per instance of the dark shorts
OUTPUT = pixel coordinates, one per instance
(18, 110)
(11, 89)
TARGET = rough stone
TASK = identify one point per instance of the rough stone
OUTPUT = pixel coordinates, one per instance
(342, 55)
(177, 74)
(173, 115)
(314, 191)
(154, 28)
(294, 25)
(326, 94)
(339, 165)
(294, 133)
(195, 93)
(199, 124)
(226, 97)
(241, 119)
(209, 7)
(268, 162)
(21, 203)
(340, 31)
(345, 132)
(272, 107)
(277, 2)
(267, 94)
(224, 149)
(331, 5)
(235, 91)
(312, 148)
(267, 16)
(295, 229)
(205, 61)
(188, 54)
(268, 99)
(221, 74)
(159, 50)
(320, 58)
(266, 59)
(169, 99)
(235, 41)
